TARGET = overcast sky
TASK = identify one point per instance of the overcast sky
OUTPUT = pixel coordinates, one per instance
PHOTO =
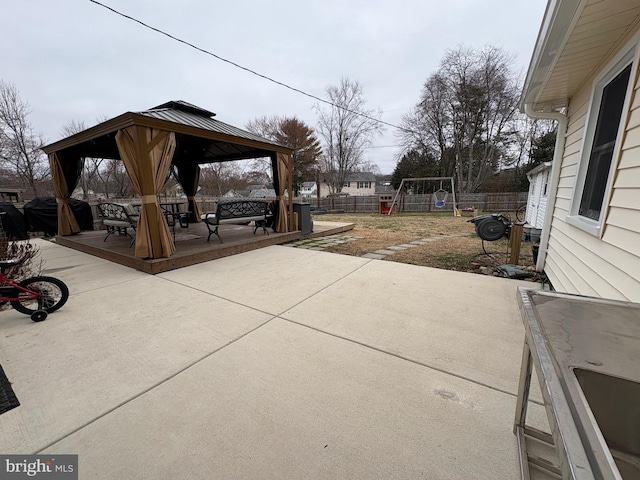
(75, 60)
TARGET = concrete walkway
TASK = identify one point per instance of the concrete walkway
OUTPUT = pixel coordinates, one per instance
(322, 243)
(276, 363)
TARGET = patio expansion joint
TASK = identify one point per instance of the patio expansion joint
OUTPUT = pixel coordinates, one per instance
(322, 289)
(407, 359)
(197, 361)
(128, 280)
(219, 297)
(152, 387)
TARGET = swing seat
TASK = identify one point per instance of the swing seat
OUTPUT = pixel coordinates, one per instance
(440, 198)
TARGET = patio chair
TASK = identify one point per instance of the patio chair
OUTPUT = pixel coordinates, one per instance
(119, 218)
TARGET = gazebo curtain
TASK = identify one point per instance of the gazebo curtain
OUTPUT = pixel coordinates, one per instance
(65, 171)
(147, 155)
(189, 178)
(279, 164)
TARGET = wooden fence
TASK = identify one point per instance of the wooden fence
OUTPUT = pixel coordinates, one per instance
(485, 202)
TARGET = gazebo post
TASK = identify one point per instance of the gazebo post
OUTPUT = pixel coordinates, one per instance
(147, 189)
(292, 227)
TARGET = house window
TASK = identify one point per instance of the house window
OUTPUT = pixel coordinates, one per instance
(601, 137)
(545, 183)
(364, 184)
(604, 141)
(345, 184)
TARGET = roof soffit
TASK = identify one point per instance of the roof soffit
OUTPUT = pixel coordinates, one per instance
(594, 31)
(558, 21)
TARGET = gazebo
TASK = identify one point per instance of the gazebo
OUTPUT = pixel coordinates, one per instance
(148, 143)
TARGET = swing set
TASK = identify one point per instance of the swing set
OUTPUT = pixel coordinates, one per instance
(419, 187)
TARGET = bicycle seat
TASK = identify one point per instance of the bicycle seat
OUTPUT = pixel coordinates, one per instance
(11, 262)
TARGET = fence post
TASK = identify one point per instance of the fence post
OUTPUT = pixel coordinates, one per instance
(515, 239)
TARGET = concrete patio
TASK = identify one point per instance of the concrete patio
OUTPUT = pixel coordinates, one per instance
(275, 363)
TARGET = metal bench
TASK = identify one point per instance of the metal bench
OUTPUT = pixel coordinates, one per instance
(239, 212)
(119, 218)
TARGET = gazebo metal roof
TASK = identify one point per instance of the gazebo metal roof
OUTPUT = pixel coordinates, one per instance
(195, 129)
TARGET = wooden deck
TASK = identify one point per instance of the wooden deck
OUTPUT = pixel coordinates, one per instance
(191, 244)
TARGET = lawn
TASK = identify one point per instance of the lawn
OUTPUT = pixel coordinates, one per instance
(459, 253)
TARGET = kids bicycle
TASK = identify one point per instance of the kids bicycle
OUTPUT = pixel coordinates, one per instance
(35, 296)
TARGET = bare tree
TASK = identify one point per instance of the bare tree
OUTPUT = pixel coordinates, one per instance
(295, 134)
(218, 178)
(526, 131)
(346, 128)
(114, 179)
(20, 144)
(89, 178)
(368, 166)
(107, 176)
(465, 114)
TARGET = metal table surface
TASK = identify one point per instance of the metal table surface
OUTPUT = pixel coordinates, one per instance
(586, 352)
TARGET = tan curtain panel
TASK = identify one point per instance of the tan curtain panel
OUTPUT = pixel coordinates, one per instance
(147, 155)
(67, 223)
(282, 225)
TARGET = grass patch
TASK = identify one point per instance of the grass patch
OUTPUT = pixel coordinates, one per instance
(379, 232)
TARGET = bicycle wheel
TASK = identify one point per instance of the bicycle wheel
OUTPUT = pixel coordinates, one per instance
(521, 213)
(52, 294)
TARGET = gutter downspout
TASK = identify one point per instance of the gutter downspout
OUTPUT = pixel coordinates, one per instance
(555, 176)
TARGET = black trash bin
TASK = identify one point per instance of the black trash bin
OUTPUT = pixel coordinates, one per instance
(305, 223)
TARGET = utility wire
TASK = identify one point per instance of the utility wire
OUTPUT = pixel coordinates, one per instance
(172, 37)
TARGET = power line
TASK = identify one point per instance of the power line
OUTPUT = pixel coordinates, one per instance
(384, 146)
(265, 77)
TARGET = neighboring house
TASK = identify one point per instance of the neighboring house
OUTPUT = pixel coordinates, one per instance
(263, 193)
(360, 183)
(538, 194)
(79, 194)
(232, 194)
(384, 187)
(584, 73)
(252, 191)
(308, 190)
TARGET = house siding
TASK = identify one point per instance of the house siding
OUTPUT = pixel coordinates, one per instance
(537, 199)
(542, 208)
(354, 190)
(581, 263)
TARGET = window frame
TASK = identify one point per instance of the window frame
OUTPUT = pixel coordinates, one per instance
(626, 57)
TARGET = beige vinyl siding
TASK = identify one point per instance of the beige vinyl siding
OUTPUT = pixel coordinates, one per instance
(570, 170)
(578, 262)
(563, 204)
(614, 266)
(628, 178)
(630, 158)
(633, 135)
(625, 218)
